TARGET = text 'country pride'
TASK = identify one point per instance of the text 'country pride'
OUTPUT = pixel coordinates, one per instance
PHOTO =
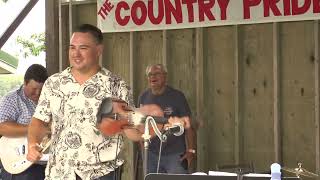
(164, 11)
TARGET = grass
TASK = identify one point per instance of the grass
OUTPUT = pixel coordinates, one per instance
(8, 82)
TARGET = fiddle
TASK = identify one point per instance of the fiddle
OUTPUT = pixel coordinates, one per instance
(114, 115)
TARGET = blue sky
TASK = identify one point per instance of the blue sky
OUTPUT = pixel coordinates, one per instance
(33, 23)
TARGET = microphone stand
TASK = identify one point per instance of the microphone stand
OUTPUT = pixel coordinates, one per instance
(240, 173)
(146, 136)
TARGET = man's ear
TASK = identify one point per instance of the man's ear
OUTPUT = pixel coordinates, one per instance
(100, 49)
(25, 82)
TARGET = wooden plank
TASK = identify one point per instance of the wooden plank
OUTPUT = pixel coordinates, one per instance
(219, 96)
(256, 97)
(149, 50)
(317, 95)
(164, 47)
(298, 94)
(202, 138)
(52, 31)
(65, 38)
(276, 106)
(236, 96)
(83, 13)
(132, 53)
(70, 18)
(181, 59)
(116, 54)
(60, 36)
(65, 2)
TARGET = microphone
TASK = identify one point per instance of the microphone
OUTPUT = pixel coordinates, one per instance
(175, 129)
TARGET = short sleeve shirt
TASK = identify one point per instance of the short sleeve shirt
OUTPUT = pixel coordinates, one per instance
(16, 107)
(78, 146)
(173, 103)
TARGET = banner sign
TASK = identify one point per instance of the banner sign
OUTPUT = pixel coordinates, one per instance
(142, 15)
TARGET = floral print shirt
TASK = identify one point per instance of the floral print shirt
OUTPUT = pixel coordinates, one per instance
(77, 145)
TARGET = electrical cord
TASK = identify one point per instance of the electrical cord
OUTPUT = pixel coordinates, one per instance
(146, 136)
(115, 160)
(159, 157)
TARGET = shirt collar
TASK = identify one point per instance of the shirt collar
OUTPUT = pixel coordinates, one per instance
(23, 95)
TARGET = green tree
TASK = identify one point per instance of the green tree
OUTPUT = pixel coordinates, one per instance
(33, 45)
(9, 82)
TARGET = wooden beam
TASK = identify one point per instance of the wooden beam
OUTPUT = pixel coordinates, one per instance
(16, 22)
(66, 2)
(60, 37)
(132, 48)
(202, 135)
(237, 143)
(70, 18)
(52, 32)
(131, 147)
(317, 95)
(276, 105)
(165, 47)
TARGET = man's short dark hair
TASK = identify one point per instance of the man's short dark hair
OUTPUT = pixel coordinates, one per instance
(37, 73)
(93, 30)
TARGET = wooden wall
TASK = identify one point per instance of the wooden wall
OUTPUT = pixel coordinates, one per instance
(253, 89)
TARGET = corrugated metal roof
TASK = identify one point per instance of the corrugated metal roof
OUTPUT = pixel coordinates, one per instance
(8, 59)
(8, 63)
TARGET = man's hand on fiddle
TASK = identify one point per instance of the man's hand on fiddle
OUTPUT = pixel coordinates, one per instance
(184, 121)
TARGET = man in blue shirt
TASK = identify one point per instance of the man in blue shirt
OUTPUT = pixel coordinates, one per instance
(16, 110)
(178, 151)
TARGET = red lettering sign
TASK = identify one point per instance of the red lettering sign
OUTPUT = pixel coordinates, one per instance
(126, 15)
(247, 5)
(122, 20)
(300, 10)
(153, 19)
(105, 9)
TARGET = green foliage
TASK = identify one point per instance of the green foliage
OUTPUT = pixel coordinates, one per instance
(33, 45)
(9, 82)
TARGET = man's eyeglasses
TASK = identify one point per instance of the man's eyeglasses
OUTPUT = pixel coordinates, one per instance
(157, 74)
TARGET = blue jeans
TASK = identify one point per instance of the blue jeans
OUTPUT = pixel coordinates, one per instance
(110, 176)
(34, 172)
(168, 164)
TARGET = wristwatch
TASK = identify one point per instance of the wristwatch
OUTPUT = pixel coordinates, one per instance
(193, 151)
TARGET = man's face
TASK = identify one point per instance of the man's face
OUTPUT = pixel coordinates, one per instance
(32, 90)
(156, 78)
(84, 52)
